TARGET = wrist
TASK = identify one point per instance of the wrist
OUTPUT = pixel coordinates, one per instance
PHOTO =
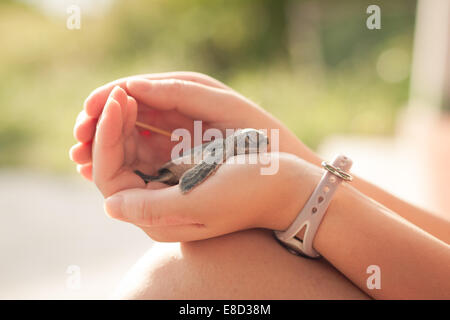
(337, 217)
(335, 196)
(299, 179)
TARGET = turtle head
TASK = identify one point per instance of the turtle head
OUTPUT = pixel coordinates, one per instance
(251, 140)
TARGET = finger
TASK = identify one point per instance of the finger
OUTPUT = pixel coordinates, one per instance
(144, 207)
(131, 116)
(84, 128)
(85, 170)
(109, 129)
(108, 149)
(81, 153)
(96, 100)
(121, 97)
(80, 117)
(85, 125)
(189, 98)
(108, 154)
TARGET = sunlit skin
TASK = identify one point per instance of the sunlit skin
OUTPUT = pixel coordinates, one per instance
(221, 108)
(409, 244)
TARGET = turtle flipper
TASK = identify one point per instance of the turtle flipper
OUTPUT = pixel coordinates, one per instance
(196, 175)
(144, 176)
(164, 175)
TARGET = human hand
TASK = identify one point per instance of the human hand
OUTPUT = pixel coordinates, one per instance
(236, 197)
(175, 100)
(116, 148)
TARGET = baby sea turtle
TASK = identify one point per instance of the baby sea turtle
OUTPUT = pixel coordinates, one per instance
(200, 162)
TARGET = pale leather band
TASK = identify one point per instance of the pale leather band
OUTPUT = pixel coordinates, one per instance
(314, 210)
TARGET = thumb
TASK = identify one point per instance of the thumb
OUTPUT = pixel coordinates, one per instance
(145, 207)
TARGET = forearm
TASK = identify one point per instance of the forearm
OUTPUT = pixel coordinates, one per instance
(433, 224)
(357, 232)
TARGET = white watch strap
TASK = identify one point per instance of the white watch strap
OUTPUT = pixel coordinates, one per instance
(315, 208)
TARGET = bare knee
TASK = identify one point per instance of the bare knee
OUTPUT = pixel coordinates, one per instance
(207, 269)
(242, 265)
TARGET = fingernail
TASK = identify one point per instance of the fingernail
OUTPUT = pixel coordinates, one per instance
(108, 102)
(113, 206)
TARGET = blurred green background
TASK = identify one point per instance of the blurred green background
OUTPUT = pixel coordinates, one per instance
(313, 64)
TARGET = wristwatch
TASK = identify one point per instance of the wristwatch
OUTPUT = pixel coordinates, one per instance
(315, 208)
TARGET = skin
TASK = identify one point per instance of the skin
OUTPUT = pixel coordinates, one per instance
(188, 172)
(167, 108)
(386, 232)
(242, 265)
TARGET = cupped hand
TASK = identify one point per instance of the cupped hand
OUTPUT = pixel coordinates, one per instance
(237, 197)
(174, 100)
(117, 150)
(241, 194)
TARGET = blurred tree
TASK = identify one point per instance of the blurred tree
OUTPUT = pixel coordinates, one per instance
(311, 63)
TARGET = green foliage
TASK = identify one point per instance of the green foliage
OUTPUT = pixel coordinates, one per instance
(47, 70)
